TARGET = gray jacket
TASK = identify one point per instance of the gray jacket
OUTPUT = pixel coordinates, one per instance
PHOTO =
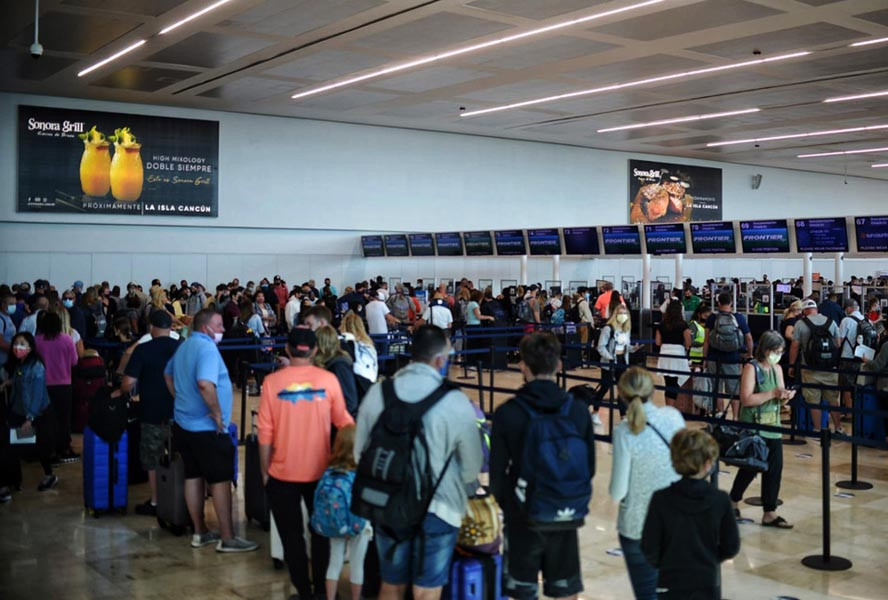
(875, 372)
(450, 427)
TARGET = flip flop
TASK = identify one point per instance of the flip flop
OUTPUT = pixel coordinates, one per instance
(779, 523)
(736, 513)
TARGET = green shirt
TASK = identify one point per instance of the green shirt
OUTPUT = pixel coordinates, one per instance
(691, 304)
(769, 412)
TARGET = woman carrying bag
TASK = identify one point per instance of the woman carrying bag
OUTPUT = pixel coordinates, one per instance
(762, 394)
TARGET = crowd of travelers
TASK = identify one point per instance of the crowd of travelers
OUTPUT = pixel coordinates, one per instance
(327, 421)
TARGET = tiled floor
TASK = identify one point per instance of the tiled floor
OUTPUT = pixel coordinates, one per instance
(49, 548)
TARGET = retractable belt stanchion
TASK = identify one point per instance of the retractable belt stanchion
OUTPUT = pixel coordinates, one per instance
(243, 384)
(854, 483)
(826, 561)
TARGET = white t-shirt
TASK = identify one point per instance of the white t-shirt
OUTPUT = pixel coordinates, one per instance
(383, 294)
(440, 316)
(376, 311)
(291, 312)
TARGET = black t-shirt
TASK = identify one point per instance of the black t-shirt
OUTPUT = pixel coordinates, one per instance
(675, 335)
(147, 364)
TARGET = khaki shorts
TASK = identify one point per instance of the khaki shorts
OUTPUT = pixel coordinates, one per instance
(816, 395)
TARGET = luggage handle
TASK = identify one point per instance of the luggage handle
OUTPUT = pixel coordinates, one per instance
(254, 429)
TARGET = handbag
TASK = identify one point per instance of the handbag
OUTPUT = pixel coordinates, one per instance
(738, 447)
(481, 529)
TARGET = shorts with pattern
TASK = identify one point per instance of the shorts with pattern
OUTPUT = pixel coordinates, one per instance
(154, 440)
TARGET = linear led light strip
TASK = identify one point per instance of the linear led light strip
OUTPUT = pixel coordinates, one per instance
(841, 153)
(793, 136)
(620, 86)
(879, 166)
(135, 45)
(682, 120)
(856, 97)
(868, 42)
(467, 49)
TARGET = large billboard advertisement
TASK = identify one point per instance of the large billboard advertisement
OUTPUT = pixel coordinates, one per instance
(670, 193)
(88, 162)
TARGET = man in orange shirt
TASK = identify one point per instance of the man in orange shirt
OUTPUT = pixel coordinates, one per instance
(604, 299)
(299, 405)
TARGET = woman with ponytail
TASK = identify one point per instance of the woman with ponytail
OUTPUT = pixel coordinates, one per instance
(641, 466)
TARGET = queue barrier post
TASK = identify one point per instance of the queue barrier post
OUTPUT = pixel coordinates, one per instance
(826, 561)
(854, 483)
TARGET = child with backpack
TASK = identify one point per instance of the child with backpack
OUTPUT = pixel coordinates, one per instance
(333, 519)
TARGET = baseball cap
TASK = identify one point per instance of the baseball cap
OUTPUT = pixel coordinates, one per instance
(806, 304)
(78, 284)
(302, 339)
(160, 319)
(195, 284)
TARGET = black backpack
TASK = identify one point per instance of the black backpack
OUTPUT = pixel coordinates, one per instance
(821, 351)
(726, 335)
(573, 315)
(394, 483)
(107, 415)
(866, 331)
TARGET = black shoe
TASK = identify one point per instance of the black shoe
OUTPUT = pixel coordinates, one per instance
(147, 509)
(70, 457)
(49, 482)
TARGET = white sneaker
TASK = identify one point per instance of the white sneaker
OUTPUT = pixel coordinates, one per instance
(236, 544)
(199, 540)
(596, 420)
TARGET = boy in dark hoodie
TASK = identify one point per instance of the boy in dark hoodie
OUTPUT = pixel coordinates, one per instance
(690, 527)
(528, 550)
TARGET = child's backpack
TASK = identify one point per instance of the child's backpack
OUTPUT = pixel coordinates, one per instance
(331, 517)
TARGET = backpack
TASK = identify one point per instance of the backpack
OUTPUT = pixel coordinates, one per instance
(525, 312)
(866, 330)
(107, 415)
(399, 305)
(96, 324)
(495, 310)
(726, 335)
(394, 483)
(557, 317)
(574, 315)
(458, 311)
(331, 517)
(554, 482)
(820, 352)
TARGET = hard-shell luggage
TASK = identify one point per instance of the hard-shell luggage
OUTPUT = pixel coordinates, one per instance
(475, 578)
(172, 511)
(255, 500)
(87, 379)
(104, 473)
(872, 426)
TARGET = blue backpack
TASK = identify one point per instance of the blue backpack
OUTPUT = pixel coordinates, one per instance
(331, 517)
(554, 481)
(557, 317)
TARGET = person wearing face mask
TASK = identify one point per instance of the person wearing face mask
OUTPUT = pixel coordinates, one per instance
(75, 313)
(30, 408)
(614, 347)
(762, 394)
(200, 385)
(7, 327)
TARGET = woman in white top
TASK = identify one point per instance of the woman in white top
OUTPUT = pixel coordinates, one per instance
(614, 346)
(641, 466)
(366, 362)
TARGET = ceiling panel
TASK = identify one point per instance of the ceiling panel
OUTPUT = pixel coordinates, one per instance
(685, 19)
(685, 142)
(18, 64)
(295, 17)
(65, 32)
(326, 64)
(423, 80)
(877, 16)
(637, 68)
(435, 32)
(522, 90)
(775, 42)
(436, 109)
(536, 9)
(347, 100)
(249, 88)
(847, 62)
(209, 50)
(537, 52)
(150, 8)
(143, 79)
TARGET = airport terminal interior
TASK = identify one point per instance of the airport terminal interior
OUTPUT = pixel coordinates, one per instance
(658, 147)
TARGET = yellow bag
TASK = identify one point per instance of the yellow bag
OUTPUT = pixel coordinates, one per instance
(481, 529)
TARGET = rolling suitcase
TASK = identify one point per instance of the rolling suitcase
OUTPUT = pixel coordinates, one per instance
(255, 501)
(476, 577)
(104, 473)
(872, 427)
(87, 378)
(232, 432)
(172, 511)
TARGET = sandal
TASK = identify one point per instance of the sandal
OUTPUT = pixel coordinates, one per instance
(736, 513)
(779, 523)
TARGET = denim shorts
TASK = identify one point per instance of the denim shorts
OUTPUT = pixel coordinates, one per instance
(403, 566)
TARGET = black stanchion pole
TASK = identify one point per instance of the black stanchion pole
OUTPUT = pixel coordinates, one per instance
(826, 561)
(854, 483)
(610, 419)
(491, 378)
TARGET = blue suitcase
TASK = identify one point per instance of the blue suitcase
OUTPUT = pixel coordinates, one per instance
(475, 578)
(104, 473)
(232, 432)
(872, 426)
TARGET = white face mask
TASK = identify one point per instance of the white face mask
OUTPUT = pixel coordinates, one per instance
(774, 357)
(217, 337)
(10, 309)
(622, 318)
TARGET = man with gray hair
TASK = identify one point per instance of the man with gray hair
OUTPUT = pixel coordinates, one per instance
(851, 331)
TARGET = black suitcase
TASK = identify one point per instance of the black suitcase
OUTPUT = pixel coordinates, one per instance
(136, 474)
(172, 511)
(255, 500)
(573, 354)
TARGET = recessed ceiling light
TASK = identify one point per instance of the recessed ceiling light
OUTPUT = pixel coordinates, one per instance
(194, 16)
(104, 62)
(868, 42)
(856, 97)
(682, 120)
(619, 86)
(861, 151)
(466, 49)
(793, 136)
(879, 166)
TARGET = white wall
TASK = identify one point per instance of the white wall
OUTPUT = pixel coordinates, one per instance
(296, 194)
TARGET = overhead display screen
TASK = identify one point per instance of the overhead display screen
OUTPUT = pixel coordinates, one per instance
(713, 238)
(581, 240)
(449, 244)
(621, 239)
(396, 245)
(821, 235)
(544, 242)
(872, 234)
(421, 244)
(510, 242)
(665, 239)
(478, 243)
(371, 245)
(759, 237)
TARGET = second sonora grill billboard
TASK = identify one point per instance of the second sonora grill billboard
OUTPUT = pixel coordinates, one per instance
(81, 161)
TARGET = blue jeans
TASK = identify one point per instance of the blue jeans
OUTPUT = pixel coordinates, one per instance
(399, 562)
(642, 575)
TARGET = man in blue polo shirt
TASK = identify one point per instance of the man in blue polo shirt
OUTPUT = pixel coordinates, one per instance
(198, 380)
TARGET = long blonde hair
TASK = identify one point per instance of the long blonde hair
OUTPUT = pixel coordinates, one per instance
(794, 307)
(353, 324)
(328, 346)
(636, 387)
(614, 325)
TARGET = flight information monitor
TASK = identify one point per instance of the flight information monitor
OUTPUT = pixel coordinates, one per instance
(821, 235)
(396, 245)
(872, 234)
(544, 242)
(668, 238)
(510, 242)
(758, 237)
(421, 244)
(621, 239)
(581, 240)
(371, 245)
(449, 244)
(713, 238)
(478, 243)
